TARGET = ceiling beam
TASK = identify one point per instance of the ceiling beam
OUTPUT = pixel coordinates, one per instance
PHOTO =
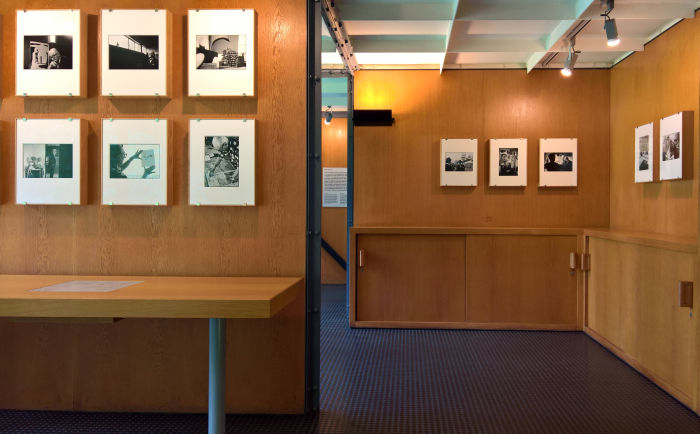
(399, 44)
(483, 45)
(559, 32)
(641, 10)
(413, 11)
(448, 35)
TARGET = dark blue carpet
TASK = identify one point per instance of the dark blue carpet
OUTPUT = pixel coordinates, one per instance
(434, 381)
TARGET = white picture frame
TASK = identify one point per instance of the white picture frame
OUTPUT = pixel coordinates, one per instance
(508, 162)
(671, 147)
(126, 181)
(134, 55)
(50, 162)
(213, 180)
(459, 162)
(50, 57)
(644, 153)
(209, 32)
(558, 162)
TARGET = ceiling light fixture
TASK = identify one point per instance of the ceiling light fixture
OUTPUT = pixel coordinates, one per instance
(568, 68)
(329, 116)
(610, 25)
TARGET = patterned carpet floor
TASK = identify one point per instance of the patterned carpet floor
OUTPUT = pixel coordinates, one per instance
(434, 381)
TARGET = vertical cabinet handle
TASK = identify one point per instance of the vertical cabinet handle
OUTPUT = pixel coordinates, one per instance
(573, 261)
(361, 260)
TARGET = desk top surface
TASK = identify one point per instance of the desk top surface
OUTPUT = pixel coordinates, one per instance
(154, 297)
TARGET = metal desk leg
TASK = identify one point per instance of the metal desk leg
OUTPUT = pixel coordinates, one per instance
(217, 375)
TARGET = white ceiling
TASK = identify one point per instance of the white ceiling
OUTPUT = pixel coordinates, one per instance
(456, 34)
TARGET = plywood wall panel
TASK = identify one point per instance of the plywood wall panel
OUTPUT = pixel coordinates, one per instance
(265, 240)
(660, 81)
(334, 220)
(397, 168)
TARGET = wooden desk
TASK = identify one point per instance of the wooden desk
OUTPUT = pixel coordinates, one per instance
(216, 298)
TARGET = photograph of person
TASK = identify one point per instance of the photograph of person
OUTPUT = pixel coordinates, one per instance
(508, 162)
(123, 165)
(48, 161)
(48, 52)
(133, 51)
(671, 146)
(558, 161)
(644, 153)
(459, 161)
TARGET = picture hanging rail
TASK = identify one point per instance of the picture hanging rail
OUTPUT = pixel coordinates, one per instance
(50, 53)
(50, 162)
(222, 162)
(508, 162)
(458, 162)
(134, 54)
(558, 163)
(135, 162)
(221, 52)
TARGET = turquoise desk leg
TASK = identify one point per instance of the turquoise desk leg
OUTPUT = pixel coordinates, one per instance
(217, 375)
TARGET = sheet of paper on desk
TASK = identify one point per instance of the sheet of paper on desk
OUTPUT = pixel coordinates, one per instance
(89, 286)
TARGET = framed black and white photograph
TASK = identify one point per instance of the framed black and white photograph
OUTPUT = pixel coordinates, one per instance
(49, 161)
(644, 153)
(558, 162)
(508, 162)
(221, 52)
(134, 52)
(458, 162)
(222, 162)
(135, 162)
(671, 147)
(49, 56)
(48, 52)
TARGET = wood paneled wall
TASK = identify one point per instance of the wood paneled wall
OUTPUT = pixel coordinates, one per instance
(397, 177)
(161, 365)
(334, 220)
(660, 81)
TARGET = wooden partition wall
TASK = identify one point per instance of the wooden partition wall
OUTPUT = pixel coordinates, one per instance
(334, 221)
(397, 168)
(161, 365)
(633, 305)
(509, 266)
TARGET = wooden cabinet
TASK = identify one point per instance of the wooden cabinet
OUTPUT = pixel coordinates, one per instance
(411, 278)
(464, 278)
(633, 309)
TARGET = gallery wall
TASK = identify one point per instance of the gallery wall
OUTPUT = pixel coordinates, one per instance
(648, 85)
(334, 220)
(397, 168)
(147, 364)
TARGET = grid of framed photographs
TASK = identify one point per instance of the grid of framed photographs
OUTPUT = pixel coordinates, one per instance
(135, 162)
(221, 52)
(508, 162)
(458, 162)
(558, 162)
(222, 162)
(49, 54)
(133, 52)
(50, 162)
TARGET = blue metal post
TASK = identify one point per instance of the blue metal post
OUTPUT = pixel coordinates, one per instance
(217, 375)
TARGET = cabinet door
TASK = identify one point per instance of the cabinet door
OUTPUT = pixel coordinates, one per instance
(410, 278)
(521, 280)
